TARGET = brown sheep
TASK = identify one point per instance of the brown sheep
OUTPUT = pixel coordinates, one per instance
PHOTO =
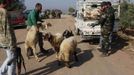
(55, 40)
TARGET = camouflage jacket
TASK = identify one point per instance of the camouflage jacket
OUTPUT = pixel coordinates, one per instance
(107, 21)
(7, 36)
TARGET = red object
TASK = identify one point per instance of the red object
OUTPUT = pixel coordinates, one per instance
(17, 21)
(16, 18)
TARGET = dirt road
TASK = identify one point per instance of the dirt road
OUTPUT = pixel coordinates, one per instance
(90, 62)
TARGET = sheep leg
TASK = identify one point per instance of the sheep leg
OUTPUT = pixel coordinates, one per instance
(30, 51)
(36, 57)
(68, 64)
(26, 48)
(59, 62)
(75, 56)
(67, 58)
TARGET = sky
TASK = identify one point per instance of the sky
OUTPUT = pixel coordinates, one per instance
(51, 4)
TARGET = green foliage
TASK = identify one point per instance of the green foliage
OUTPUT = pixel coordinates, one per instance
(15, 5)
(71, 10)
(127, 15)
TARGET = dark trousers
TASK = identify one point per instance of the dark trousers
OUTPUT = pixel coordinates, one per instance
(40, 44)
(40, 41)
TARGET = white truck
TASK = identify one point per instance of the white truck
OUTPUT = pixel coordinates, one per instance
(84, 19)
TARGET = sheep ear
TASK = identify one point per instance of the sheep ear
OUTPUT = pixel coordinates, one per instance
(65, 33)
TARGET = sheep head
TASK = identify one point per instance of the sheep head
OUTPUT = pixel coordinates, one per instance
(46, 25)
(48, 36)
(67, 33)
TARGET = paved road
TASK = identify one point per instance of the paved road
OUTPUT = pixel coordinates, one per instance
(90, 62)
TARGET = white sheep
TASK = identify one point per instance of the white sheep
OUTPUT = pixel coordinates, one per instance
(31, 40)
(67, 49)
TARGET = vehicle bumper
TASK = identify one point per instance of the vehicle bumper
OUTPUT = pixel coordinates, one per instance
(88, 37)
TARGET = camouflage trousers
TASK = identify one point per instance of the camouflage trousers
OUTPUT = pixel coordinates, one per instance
(105, 43)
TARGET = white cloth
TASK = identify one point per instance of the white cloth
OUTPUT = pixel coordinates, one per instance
(6, 69)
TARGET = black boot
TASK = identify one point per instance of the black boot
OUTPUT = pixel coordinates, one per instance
(42, 50)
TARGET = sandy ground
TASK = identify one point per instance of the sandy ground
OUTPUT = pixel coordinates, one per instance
(90, 62)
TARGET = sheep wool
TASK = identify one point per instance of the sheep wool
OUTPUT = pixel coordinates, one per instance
(67, 48)
(31, 40)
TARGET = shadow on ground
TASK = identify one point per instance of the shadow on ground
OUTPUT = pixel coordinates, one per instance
(129, 32)
(83, 57)
(46, 54)
(47, 69)
(91, 41)
(118, 44)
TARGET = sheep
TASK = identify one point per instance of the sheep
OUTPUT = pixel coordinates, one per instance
(67, 33)
(67, 49)
(55, 40)
(93, 14)
(31, 41)
(32, 38)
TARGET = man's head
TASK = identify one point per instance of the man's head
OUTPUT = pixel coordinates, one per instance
(109, 3)
(103, 6)
(3, 3)
(38, 7)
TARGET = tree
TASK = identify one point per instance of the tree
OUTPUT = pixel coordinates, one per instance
(71, 10)
(15, 5)
(127, 15)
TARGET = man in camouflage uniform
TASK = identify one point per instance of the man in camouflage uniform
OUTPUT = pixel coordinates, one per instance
(7, 42)
(107, 22)
(112, 11)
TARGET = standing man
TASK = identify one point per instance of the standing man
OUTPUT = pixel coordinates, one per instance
(106, 21)
(32, 19)
(111, 10)
(7, 42)
(101, 21)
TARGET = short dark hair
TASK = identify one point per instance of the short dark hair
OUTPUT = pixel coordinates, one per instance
(3, 2)
(103, 4)
(38, 4)
(109, 3)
